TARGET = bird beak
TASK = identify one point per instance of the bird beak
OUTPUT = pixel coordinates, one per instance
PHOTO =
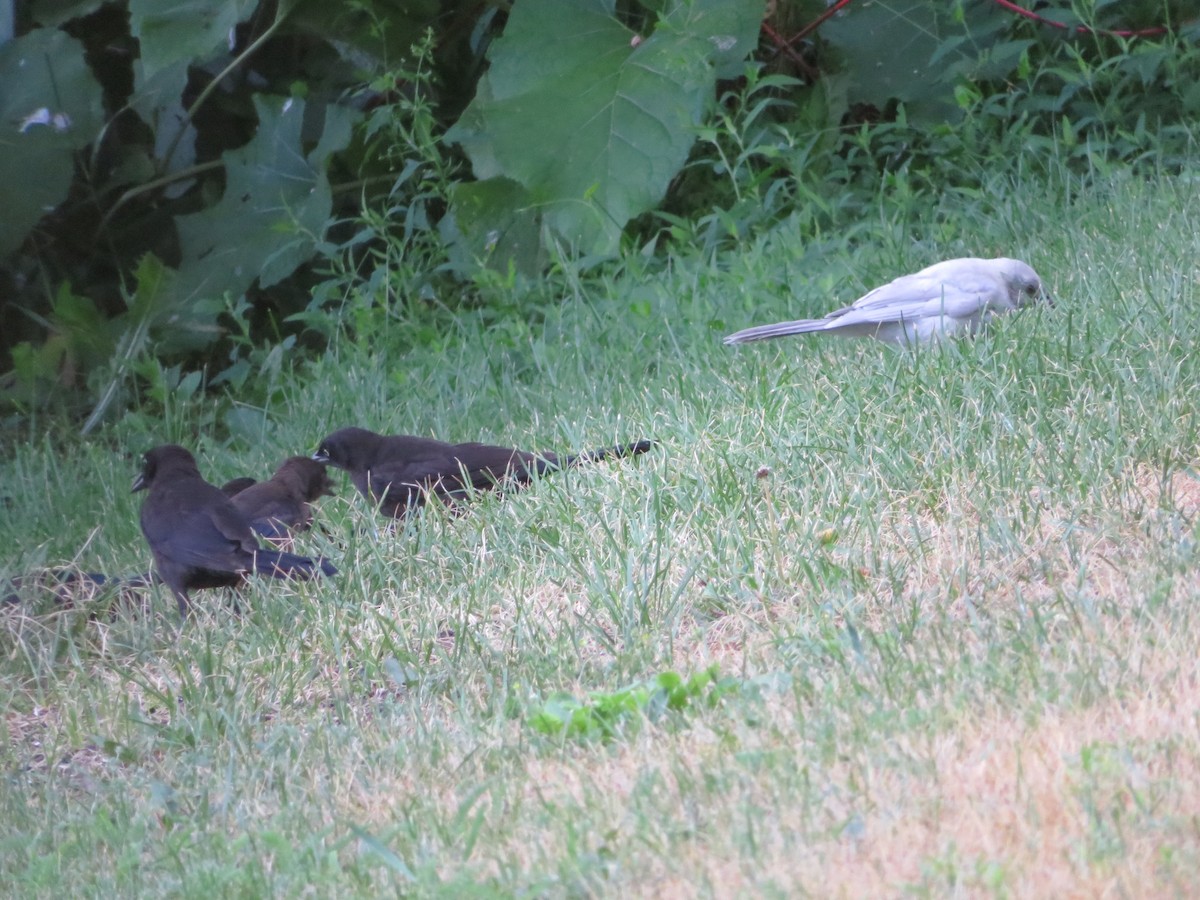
(321, 456)
(139, 483)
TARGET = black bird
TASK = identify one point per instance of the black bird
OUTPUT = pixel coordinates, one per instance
(235, 486)
(198, 537)
(280, 506)
(398, 472)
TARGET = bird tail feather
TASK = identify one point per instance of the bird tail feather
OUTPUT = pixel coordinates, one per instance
(588, 456)
(281, 564)
(779, 329)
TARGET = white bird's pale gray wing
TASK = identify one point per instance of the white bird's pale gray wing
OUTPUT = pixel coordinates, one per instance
(920, 296)
(909, 299)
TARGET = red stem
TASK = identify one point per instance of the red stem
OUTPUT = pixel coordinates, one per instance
(1081, 29)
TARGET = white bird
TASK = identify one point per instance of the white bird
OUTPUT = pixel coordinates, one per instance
(948, 299)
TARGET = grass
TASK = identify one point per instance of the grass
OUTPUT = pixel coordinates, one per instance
(950, 598)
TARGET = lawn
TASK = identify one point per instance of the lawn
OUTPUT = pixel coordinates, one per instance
(950, 596)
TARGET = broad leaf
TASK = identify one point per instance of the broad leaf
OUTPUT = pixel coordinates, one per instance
(915, 51)
(46, 114)
(55, 12)
(158, 311)
(887, 48)
(592, 121)
(274, 209)
(194, 30)
(172, 37)
(493, 220)
(370, 36)
(159, 101)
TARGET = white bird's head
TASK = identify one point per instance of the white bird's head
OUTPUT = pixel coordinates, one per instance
(1024, 286)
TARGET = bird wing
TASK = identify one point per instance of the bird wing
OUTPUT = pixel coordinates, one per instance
(486, 464)
(924, 294)
(401, 472)
(269, 502)
(196, 525)
(277, 521)
(194, 541)
(483, 463)
(229, 522)
(282, 564)
(236, 485)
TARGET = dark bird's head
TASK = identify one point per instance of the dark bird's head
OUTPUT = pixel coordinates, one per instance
(1024, 286)
(161, 459)
(349, 448)
(306, 477)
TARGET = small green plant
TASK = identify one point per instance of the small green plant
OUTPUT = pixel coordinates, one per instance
(606, 714)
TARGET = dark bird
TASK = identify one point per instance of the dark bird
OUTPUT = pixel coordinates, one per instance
(236, 485)
(398, 472)
(198, 537)
(280, 506)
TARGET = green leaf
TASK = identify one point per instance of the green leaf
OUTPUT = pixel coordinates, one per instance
(171, 38)
(888, 47)
(89, 334)
(606, 713)
(158, 99)
(589, 119)
(915, 52)
(191, 30)
(368, 36)
(154, 307)
(48, 111)
(158, 308)
(275, 207)
(493, 220)
(55, 12)
(558, 715)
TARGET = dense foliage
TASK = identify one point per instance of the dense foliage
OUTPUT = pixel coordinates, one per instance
(191, 192)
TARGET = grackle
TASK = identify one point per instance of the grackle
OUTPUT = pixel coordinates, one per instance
(398, 472)
(199, 539)
(280, 505)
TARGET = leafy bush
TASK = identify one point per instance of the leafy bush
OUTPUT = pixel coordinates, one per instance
(193, 160)
(206, 184)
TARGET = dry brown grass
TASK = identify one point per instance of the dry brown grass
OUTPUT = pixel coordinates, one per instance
(1077, 803)
(1066, 794)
